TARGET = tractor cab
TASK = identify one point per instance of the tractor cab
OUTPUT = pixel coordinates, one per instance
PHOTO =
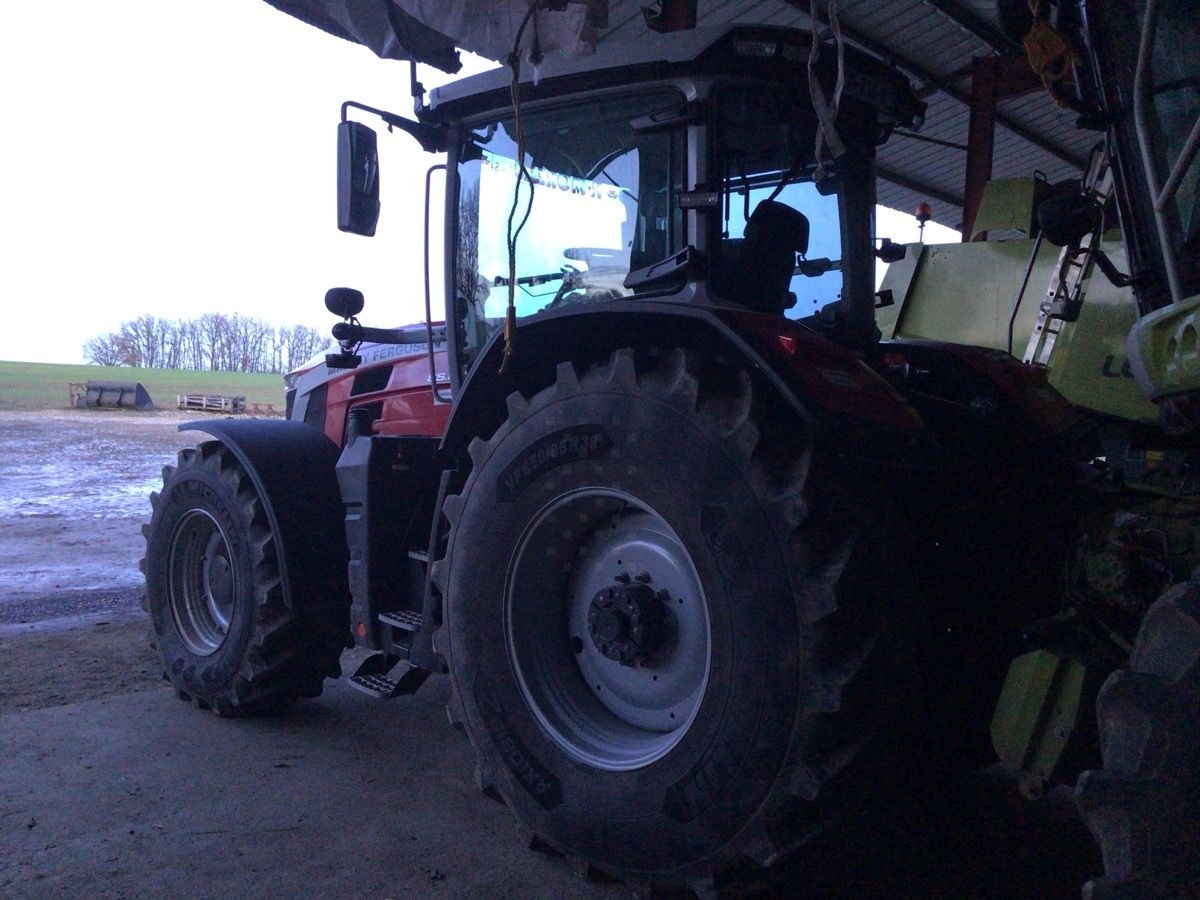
(687, 170)
(691, 169)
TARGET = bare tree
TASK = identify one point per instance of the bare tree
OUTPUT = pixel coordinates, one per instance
(105, 350)
(145, 340)
(299, 344)
(214, 341)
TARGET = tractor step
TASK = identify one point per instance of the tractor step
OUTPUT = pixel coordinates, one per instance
(376, 685)
(408, 619)
(384, 685)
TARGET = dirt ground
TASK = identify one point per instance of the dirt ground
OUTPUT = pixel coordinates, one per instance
(74, 492)
(112, 788)
(74, 489)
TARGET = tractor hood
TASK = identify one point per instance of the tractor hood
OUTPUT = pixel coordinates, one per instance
(428, 31)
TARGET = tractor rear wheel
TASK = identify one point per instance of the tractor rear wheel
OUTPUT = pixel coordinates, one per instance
(229, 638)
(1144, 805)
(643, 624)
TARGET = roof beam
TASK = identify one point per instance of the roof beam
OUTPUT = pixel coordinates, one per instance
(922, 74)
(981, 137)
(920, 187)
(976, 26)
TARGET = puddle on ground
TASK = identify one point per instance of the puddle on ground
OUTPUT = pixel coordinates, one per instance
(74, 492)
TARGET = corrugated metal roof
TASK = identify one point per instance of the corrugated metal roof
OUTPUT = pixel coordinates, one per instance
(933, 42)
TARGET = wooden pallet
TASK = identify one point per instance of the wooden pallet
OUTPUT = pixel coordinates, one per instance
(212, 403)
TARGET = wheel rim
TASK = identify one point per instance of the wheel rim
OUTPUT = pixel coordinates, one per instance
(607, 629)
(201, 582)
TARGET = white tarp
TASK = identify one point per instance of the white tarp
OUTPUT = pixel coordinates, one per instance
(489, 27)
(429, 30)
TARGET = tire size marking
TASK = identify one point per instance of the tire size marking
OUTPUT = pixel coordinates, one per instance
(567, 445)
(538, 781)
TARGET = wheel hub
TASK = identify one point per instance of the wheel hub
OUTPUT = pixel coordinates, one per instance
(614, 678)
(628, 622)
(202, 583)
(218, 580)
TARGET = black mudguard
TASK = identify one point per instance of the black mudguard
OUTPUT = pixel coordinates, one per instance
(834, 397)
(291, 466)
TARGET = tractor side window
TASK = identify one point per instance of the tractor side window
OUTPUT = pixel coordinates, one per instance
(602, 203)
(819, 288)
(765, 147)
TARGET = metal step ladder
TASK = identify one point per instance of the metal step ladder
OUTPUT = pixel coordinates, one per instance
(388, 675)
(1064, 297)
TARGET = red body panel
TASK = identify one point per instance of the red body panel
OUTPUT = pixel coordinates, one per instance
(407, 403)
(825, 373)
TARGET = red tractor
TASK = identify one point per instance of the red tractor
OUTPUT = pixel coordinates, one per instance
(708, 565)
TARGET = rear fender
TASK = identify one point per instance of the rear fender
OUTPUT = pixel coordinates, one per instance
(835, 401)
(291, 466)
(989, 398)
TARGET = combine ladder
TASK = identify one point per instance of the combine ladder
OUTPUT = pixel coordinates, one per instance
(1064, 296)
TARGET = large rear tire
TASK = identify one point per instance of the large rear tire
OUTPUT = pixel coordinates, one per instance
(643, 625)
(1143, 807)
(229, 637)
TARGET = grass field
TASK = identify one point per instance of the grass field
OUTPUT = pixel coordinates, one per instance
(44, 385)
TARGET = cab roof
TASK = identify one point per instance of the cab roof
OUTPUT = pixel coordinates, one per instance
(739, 49)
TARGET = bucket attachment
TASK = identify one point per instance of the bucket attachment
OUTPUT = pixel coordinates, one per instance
(116, 394)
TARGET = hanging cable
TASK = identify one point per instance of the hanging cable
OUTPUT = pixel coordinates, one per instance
(514, 62)
(826, 108)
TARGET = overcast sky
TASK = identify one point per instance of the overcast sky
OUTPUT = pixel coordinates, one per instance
(177, 158)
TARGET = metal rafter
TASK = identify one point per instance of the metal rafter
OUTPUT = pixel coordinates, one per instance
(919, 187)
(974, 25)
(931, 79)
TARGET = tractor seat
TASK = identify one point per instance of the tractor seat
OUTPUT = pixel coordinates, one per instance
(758, 269)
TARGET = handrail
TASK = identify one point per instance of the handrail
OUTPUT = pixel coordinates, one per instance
(450, 323)
(1141, 116)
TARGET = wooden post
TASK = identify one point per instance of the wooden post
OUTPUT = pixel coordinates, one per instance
(981, 139)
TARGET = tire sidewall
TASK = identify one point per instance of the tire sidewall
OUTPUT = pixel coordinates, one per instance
(682, 808)
(195, 487)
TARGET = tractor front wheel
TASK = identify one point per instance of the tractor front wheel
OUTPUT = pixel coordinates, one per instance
(229, 637)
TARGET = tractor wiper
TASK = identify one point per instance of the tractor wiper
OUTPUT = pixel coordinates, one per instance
(525, 282)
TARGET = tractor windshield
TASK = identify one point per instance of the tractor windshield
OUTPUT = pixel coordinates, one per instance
(595, 201)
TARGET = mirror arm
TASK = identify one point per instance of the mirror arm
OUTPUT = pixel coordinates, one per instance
(432, 138)
(416, 88)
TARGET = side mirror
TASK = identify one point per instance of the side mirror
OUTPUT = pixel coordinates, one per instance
(357, 179)
(344, 302)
